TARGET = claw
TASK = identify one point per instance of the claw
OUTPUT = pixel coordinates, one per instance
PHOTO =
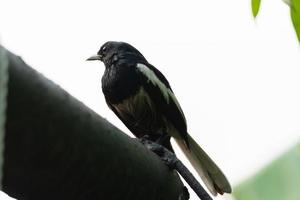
(165, 155)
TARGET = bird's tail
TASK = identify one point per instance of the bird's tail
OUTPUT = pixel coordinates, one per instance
(209, 172)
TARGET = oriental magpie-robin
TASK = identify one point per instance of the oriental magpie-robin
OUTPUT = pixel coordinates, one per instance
(140, 95)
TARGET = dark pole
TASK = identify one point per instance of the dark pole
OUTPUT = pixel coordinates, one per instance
(57, 148)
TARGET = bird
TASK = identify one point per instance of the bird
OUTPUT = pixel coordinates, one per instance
(142, 98)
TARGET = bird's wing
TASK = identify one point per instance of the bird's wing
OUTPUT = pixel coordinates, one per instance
(137, 113)
(160, 92)
(126, 118)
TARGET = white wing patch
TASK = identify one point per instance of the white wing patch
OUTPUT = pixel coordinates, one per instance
(167, 93)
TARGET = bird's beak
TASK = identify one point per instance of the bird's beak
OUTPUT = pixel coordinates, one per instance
(95, 57)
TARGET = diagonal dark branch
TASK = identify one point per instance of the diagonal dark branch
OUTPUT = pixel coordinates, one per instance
(174, 163)
(191, 180)
(57, 148)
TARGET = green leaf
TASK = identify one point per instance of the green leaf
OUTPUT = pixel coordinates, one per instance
(280, 180)
(295, 15)
(255, 7)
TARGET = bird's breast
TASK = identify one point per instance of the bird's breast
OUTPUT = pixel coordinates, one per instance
(119, 84)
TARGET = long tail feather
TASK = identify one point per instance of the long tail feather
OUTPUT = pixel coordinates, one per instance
(209, 172)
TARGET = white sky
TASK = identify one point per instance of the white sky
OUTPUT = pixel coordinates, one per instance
(236, 79)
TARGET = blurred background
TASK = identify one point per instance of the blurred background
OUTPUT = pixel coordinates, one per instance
(236, 78)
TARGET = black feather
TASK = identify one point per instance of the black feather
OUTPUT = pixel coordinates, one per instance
(138, 102)
(169, 109)
(140, 95)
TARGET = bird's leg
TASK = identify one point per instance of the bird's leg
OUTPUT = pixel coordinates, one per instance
(168, 157)
(163, 139)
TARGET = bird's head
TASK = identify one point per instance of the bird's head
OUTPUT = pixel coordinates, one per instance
(111, 52)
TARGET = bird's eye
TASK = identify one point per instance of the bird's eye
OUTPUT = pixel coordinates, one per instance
(104, 49)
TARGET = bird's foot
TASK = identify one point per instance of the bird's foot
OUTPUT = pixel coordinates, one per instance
(165, 155)
(144, 139)
(174, 163)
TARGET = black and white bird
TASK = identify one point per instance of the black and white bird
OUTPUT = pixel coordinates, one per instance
(140, 95)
